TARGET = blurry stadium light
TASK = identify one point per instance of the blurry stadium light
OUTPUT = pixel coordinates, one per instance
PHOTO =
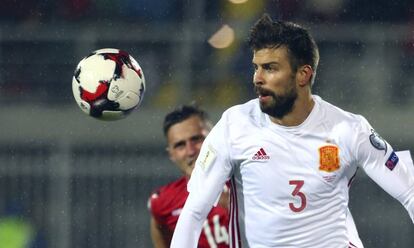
(238, 1)
(222, 38)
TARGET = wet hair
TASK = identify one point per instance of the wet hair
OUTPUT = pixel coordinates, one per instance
(301, 47)
(181, 114)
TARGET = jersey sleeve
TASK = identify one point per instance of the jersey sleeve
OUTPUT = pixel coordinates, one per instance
(153, 206)
(208, 178)
(392, 171)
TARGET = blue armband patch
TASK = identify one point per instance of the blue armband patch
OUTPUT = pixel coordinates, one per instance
(392, 161)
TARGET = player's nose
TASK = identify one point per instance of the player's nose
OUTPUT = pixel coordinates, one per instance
(258, 77)
(191, 148)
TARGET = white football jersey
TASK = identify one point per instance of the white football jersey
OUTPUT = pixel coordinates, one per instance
(290, 184)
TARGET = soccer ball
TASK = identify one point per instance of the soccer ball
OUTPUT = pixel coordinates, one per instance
(108, 84)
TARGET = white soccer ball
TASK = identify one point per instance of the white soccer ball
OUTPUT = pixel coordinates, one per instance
(108, 84)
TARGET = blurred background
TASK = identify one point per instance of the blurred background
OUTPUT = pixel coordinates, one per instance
(67, 180)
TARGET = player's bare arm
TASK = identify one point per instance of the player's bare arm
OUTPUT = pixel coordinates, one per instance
(160, 236)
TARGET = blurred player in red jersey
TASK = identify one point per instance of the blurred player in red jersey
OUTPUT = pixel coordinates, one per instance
(290, 156)
(185, 129)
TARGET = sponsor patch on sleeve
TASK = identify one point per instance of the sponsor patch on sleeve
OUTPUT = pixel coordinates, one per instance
(207, 157)
(377, 142)
(392, 161)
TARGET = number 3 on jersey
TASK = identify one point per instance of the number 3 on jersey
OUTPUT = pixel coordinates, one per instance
(297, 193)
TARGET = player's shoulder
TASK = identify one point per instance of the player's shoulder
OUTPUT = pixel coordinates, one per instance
(249, 108)
(249, 111)
(337, 115)
(163, 195)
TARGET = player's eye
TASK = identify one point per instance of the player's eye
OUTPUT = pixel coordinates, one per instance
(268, 67)
(254, 67)
(179, 145)
(198, 138)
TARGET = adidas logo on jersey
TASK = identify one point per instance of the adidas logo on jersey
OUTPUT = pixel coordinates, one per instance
(261, 155)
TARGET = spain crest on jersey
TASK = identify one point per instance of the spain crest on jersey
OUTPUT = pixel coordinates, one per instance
(329, 158)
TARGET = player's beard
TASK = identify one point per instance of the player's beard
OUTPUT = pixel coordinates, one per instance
(280, 105)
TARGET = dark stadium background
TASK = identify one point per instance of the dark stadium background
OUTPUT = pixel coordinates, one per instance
(81, 182)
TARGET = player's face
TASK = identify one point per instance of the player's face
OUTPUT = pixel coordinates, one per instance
(184, 142)
(274, 81)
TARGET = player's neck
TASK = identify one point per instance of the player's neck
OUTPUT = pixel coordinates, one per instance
(301, 109)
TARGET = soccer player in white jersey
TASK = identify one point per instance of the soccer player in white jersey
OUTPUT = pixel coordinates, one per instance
(290, 156)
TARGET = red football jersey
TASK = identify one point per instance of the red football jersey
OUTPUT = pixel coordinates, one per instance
(166, 205)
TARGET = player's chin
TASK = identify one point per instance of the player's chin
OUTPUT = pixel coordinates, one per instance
(190, 167)
(188, 172)
(266, 106)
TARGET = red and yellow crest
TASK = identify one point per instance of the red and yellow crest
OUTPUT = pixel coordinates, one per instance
(329, 158)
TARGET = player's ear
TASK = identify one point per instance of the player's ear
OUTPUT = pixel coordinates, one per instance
(168, 150)
(304, 75)
(170, 155)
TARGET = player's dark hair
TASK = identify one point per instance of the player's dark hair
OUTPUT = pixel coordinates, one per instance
(182, 113)
(301, 47)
